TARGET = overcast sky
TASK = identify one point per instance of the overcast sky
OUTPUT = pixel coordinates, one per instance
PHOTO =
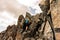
(11, 9)
(31, 4)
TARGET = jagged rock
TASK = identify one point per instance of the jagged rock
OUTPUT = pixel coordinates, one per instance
(10, 33)
(20, 21)
(10, 38)
(14, 32)
(28, 16)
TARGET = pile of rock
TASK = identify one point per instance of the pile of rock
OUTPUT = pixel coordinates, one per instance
(9, 34)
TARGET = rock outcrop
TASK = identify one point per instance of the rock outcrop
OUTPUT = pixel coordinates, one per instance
(34, 32)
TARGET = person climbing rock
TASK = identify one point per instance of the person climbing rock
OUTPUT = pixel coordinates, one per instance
(27, 22)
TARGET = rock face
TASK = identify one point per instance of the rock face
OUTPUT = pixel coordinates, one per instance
(9, 34)
(55, 10)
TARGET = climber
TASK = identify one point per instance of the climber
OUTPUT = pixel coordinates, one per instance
(27, 22)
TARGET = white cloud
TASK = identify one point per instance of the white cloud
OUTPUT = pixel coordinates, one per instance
(6, 19)
(28, 2)
(31, 3)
